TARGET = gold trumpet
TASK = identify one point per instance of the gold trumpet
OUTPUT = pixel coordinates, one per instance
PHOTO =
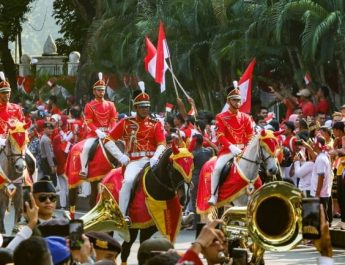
(106, 215)
(272, 219)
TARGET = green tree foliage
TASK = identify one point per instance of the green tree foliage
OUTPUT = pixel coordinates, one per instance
(74, 17)
(12, 15)
(212, 41)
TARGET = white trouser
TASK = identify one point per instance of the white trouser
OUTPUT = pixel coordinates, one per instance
(220, 163)
(85, 153)
(63, 193)
(131, 172)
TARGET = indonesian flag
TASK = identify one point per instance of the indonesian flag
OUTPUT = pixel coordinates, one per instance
(270, 117)
(245, 85)
(151, 58)
(307, 78)
(169, 107)
(191, 112)
(162, 54)
(24, 84)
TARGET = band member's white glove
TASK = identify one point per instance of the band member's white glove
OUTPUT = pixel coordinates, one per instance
(153, 161)
(100, 134)
(234, 149)
(124, 160)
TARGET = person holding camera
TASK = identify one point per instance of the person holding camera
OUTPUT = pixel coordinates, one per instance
(322, 175)
(211, 242)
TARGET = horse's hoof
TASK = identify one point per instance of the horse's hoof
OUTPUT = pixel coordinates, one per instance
(187, 219)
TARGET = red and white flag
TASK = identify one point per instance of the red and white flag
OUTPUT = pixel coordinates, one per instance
(307, 78)
(245, 85)
(162, 54)
(270, 117)
(150, 58)
(191, 112)
(168, 107)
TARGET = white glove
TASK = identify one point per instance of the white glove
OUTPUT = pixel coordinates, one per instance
(153, 161)
(2, 141)
(234, 149)
(100, 134)
(68, 137)
(124, 160)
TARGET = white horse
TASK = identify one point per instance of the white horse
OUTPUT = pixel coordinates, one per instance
(242, 177)
(13, 166)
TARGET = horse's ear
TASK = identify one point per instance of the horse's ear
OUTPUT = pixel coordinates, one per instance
(263, 133)
(174, 148)
(27, 125)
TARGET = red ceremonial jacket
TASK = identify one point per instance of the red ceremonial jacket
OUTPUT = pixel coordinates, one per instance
(142, 136)
(99, 114)
(9, 111)
(233, 129)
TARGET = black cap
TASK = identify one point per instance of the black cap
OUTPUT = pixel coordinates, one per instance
(43, 185)
(54, 227)
(148, 247)
(338, 125)
(103, 241)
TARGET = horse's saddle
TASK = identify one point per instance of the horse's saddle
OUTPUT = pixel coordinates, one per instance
(112, 159)
(225, 171)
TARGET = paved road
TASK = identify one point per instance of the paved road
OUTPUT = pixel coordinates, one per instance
(301, 255)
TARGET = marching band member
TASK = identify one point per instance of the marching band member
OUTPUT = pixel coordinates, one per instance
(234, 129)
(145, 142)
(100, 117)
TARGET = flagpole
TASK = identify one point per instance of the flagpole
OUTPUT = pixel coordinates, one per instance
(174, 82)
(175, 78)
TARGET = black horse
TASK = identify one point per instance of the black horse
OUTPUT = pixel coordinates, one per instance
(160, 184)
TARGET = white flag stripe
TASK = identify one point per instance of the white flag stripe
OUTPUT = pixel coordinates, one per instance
(244, 90)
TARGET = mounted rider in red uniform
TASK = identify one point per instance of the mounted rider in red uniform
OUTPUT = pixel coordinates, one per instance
(100, 117)
(8, 111)
(234, 129)
(145, 142)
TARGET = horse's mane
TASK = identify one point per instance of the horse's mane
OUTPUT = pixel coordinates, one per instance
(253, 140)
(164, 159)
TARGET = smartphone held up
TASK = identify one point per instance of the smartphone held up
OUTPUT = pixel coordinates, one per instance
(76, 230)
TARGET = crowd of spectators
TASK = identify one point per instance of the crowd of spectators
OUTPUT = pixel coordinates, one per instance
(313, 143)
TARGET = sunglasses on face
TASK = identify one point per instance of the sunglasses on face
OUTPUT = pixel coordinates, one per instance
(5, 92)
(44, 197)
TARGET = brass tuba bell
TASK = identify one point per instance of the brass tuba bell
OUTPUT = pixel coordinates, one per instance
(272, 219)
(106, 215)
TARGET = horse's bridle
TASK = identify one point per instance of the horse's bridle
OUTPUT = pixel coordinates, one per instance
(262, 158)
(11, 157)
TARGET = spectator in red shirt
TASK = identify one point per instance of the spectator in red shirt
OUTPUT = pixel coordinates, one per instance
(322, 98)
(305, 102)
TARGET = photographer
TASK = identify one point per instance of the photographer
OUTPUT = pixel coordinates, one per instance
(211, 243)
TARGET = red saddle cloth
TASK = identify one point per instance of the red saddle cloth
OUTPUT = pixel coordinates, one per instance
(138, 212)
(234, 186)
(99, 166)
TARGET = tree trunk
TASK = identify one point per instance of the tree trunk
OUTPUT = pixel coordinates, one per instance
(8, 63)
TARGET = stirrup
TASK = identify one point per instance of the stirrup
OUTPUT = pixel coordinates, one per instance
(128, 220)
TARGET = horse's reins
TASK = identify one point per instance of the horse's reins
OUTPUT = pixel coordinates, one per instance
(261, 162)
